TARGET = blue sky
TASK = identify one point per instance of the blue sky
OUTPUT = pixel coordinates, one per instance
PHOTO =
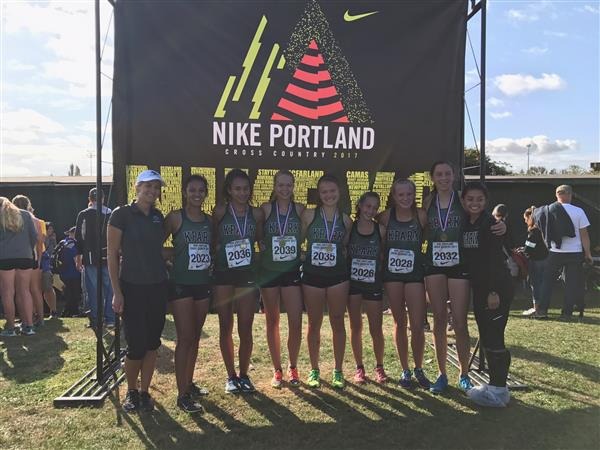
(542, 84)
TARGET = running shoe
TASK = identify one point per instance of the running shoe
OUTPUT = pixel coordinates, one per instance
(540, 314)
(246, 385)
(530, 312)
(360, 376)
(187, 403)
(293, 376)
(8, 332)
(232, 385)
(380, 375)
(27, 330)
(422, 379)
(146, 402)
(406, 379)
(440, 385)
(464, 383)
(277, 379)
(197, 391)
(484, 396)
(314, 378)
(337, 380)
(132, 401)
(501, 392)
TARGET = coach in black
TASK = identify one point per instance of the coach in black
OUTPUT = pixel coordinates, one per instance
(139, 279)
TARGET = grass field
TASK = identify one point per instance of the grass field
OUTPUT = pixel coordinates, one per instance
(559, 360)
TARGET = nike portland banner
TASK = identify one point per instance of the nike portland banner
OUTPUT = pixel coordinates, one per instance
(368, 90)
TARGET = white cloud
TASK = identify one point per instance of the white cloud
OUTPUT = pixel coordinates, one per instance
(18, 66)
(540, 144)
(591, 9)
(28, 120)
(535, 50)
(500, 115)
(517, 84)
(495, 102)
(558, 34)
(520, 15)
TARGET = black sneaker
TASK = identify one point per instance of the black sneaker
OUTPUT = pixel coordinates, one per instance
(132, 401)
(246, 385)
(146, 402)
(198, 391)
(188, 404)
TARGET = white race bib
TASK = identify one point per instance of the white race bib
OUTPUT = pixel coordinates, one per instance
(445, 254)
(363, 270)
(238, 253)
(323, 254)
(199, 256)
(284, 248)
(401, 260)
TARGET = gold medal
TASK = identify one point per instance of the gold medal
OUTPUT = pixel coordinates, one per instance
(282, 242)
(243, 246)
(329, 247)
(444, 237)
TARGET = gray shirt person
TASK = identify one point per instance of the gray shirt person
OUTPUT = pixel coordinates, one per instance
(19, 245)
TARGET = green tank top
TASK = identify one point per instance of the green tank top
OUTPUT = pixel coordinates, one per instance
(282, 253)
(322, 257)
(364, 253)
(403, 247)
(444, 246)
(236, 241)
(192, 251)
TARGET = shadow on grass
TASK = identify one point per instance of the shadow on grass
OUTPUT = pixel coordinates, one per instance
(31, 358)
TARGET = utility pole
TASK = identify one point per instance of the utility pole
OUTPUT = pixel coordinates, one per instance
(528, 149)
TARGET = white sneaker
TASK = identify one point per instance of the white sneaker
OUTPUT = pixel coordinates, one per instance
(483, 396)
(530, 312)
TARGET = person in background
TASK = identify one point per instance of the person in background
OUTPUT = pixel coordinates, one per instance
(138, 274)
(500, 213)
(23, 202)
(536, 252)
(565, 232)
(47, 276)
(18, 238)
(69, 274)
(87, 240)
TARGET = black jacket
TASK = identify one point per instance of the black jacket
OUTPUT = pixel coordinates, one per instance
(87, 236)
(554, 223)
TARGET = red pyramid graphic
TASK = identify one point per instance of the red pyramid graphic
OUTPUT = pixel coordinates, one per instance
(311, 95)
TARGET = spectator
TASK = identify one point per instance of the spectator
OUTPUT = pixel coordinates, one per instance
(23, 202)
(69, 274)
(500, 213)
(87, 240)
(565, 232)
(18, 238)
(536, 252)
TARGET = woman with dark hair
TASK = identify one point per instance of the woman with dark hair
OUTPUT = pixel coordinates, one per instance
(280, 273)
(447, 273)
(492, 293)
(190, 285)
(536, 251)
(138, 276)
(366, 289)
(403, 277)
(325, 275)
(239, 226)
(18, 238)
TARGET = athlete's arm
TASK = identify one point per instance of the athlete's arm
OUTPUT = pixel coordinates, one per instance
(383, 217)
(300, 208)
(306, 218)
(348, 226)
(422, 217)
(113, 240)
(259, 217)
(218, 213)
(382, 233)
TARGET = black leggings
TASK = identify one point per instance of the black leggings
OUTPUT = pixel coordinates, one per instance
(491, 324)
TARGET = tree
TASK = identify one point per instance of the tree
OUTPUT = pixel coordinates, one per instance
(74, 171)
(472, 163)
(538, 170)
(573, 169)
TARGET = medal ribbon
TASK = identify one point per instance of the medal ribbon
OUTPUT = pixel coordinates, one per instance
(237, 223)
(329, 235)
(443, 223)
(283, 230)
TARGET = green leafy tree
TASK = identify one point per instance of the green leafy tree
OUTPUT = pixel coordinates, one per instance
(472, 163)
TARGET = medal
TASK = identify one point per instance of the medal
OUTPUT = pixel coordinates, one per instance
(243, 246)
(443, 222)
(282, 242)
(241, 232)
(329, 235)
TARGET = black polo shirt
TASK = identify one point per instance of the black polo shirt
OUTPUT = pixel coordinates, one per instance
(141, 244)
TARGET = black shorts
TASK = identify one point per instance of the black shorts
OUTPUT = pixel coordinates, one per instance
(236, 278)
(376, 295)
(195, 291)
(322, 281)
(18, 263)
(271, 279)
(458, 272)
(143, 316)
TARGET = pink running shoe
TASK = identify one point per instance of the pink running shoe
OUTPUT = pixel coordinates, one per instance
(277, 378)
(380, 375)
(293, 376)
(360, 377)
